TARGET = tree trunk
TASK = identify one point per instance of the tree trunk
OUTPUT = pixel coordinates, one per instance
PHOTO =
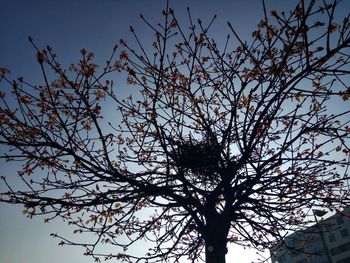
(216, 241)
(215, 252)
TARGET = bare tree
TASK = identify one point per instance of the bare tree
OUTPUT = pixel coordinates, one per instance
(216, 144)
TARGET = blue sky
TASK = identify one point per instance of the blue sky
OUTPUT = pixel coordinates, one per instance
(97, 25)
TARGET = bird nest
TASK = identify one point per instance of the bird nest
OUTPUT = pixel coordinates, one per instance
(201, 157)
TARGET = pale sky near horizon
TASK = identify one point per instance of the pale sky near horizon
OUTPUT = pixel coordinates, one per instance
(68, 26)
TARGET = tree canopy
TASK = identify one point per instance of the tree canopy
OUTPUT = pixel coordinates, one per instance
(208, 142)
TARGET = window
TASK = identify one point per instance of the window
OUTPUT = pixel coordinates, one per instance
(339, 220)
(345, 260)
(344, 232)
(340, 249)
(331, 238)
(281, 259)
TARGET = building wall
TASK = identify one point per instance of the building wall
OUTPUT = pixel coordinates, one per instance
(331, 235)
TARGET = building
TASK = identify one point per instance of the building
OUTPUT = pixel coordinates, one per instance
(328, 241)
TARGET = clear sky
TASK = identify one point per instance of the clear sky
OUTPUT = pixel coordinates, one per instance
(97, 25)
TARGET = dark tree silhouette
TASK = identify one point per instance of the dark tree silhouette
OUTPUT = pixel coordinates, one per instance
(217, 144)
